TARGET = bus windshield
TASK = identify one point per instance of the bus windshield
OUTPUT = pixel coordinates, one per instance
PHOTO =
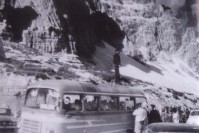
(43, 98)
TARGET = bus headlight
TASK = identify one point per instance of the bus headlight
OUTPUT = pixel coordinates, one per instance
(14, 123)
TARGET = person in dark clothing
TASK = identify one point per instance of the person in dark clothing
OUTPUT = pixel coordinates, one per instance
(78, 105)
(117, 62)
(66, 104)
(187, 113)
(31, 41)
(154, 115)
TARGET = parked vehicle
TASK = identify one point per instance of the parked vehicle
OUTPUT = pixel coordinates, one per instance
(171, 128)
(7, 121)
(193, 117)
(60, 106)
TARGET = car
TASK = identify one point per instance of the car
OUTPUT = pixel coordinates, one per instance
(193, 117)
(164, 127)
(8, 123)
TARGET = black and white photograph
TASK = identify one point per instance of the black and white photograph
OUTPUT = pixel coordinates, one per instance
(99, 66)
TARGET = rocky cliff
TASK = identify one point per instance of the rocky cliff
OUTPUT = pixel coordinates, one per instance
(148, 29)
(151, 33)
(153, 29)
(75, 26)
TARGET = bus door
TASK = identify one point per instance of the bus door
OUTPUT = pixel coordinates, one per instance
(127, 105)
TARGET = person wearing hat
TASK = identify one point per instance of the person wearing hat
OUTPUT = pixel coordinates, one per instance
(117, 62)
(140, 118)
(154, 115)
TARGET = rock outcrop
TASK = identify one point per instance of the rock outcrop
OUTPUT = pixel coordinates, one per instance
(73, 26)
(145, 28)
(152, 29)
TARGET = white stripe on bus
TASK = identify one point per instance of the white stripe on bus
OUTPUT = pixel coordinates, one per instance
(97, 125)
(114, 131)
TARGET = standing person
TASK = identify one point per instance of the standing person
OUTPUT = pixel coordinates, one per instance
(117, 62)
(164, 114)
(175, 116)
(187, 112)
(183, 117)
(140, 118)
(154, 115)
(180, 112)
(31, 41)
(170, 113)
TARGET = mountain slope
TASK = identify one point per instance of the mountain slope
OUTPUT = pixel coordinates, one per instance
(167, 84)
(151, 30)
(166, 48)
(173, 74)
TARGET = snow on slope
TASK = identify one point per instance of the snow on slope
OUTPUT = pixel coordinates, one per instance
(165, 74)
(170, 74)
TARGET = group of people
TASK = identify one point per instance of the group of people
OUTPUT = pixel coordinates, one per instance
(175, 114)
(145, 115)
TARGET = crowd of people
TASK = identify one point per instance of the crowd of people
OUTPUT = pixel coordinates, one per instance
(145, 115)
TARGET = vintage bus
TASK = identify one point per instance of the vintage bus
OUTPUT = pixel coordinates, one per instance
(63, 106)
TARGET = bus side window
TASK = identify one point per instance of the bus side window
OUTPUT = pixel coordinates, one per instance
(126, 103)
(108, 103)
(90, 103)
(72, 102)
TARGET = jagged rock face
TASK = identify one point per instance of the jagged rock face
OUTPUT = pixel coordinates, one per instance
(188, 12)
(169, 34)
(87, 27)
(145, 26)
(46, 10)
(31, 22)
(14, 20)
(15, 25)
(59, 25)
(151, 29)
(190, 49)
(44, 31)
